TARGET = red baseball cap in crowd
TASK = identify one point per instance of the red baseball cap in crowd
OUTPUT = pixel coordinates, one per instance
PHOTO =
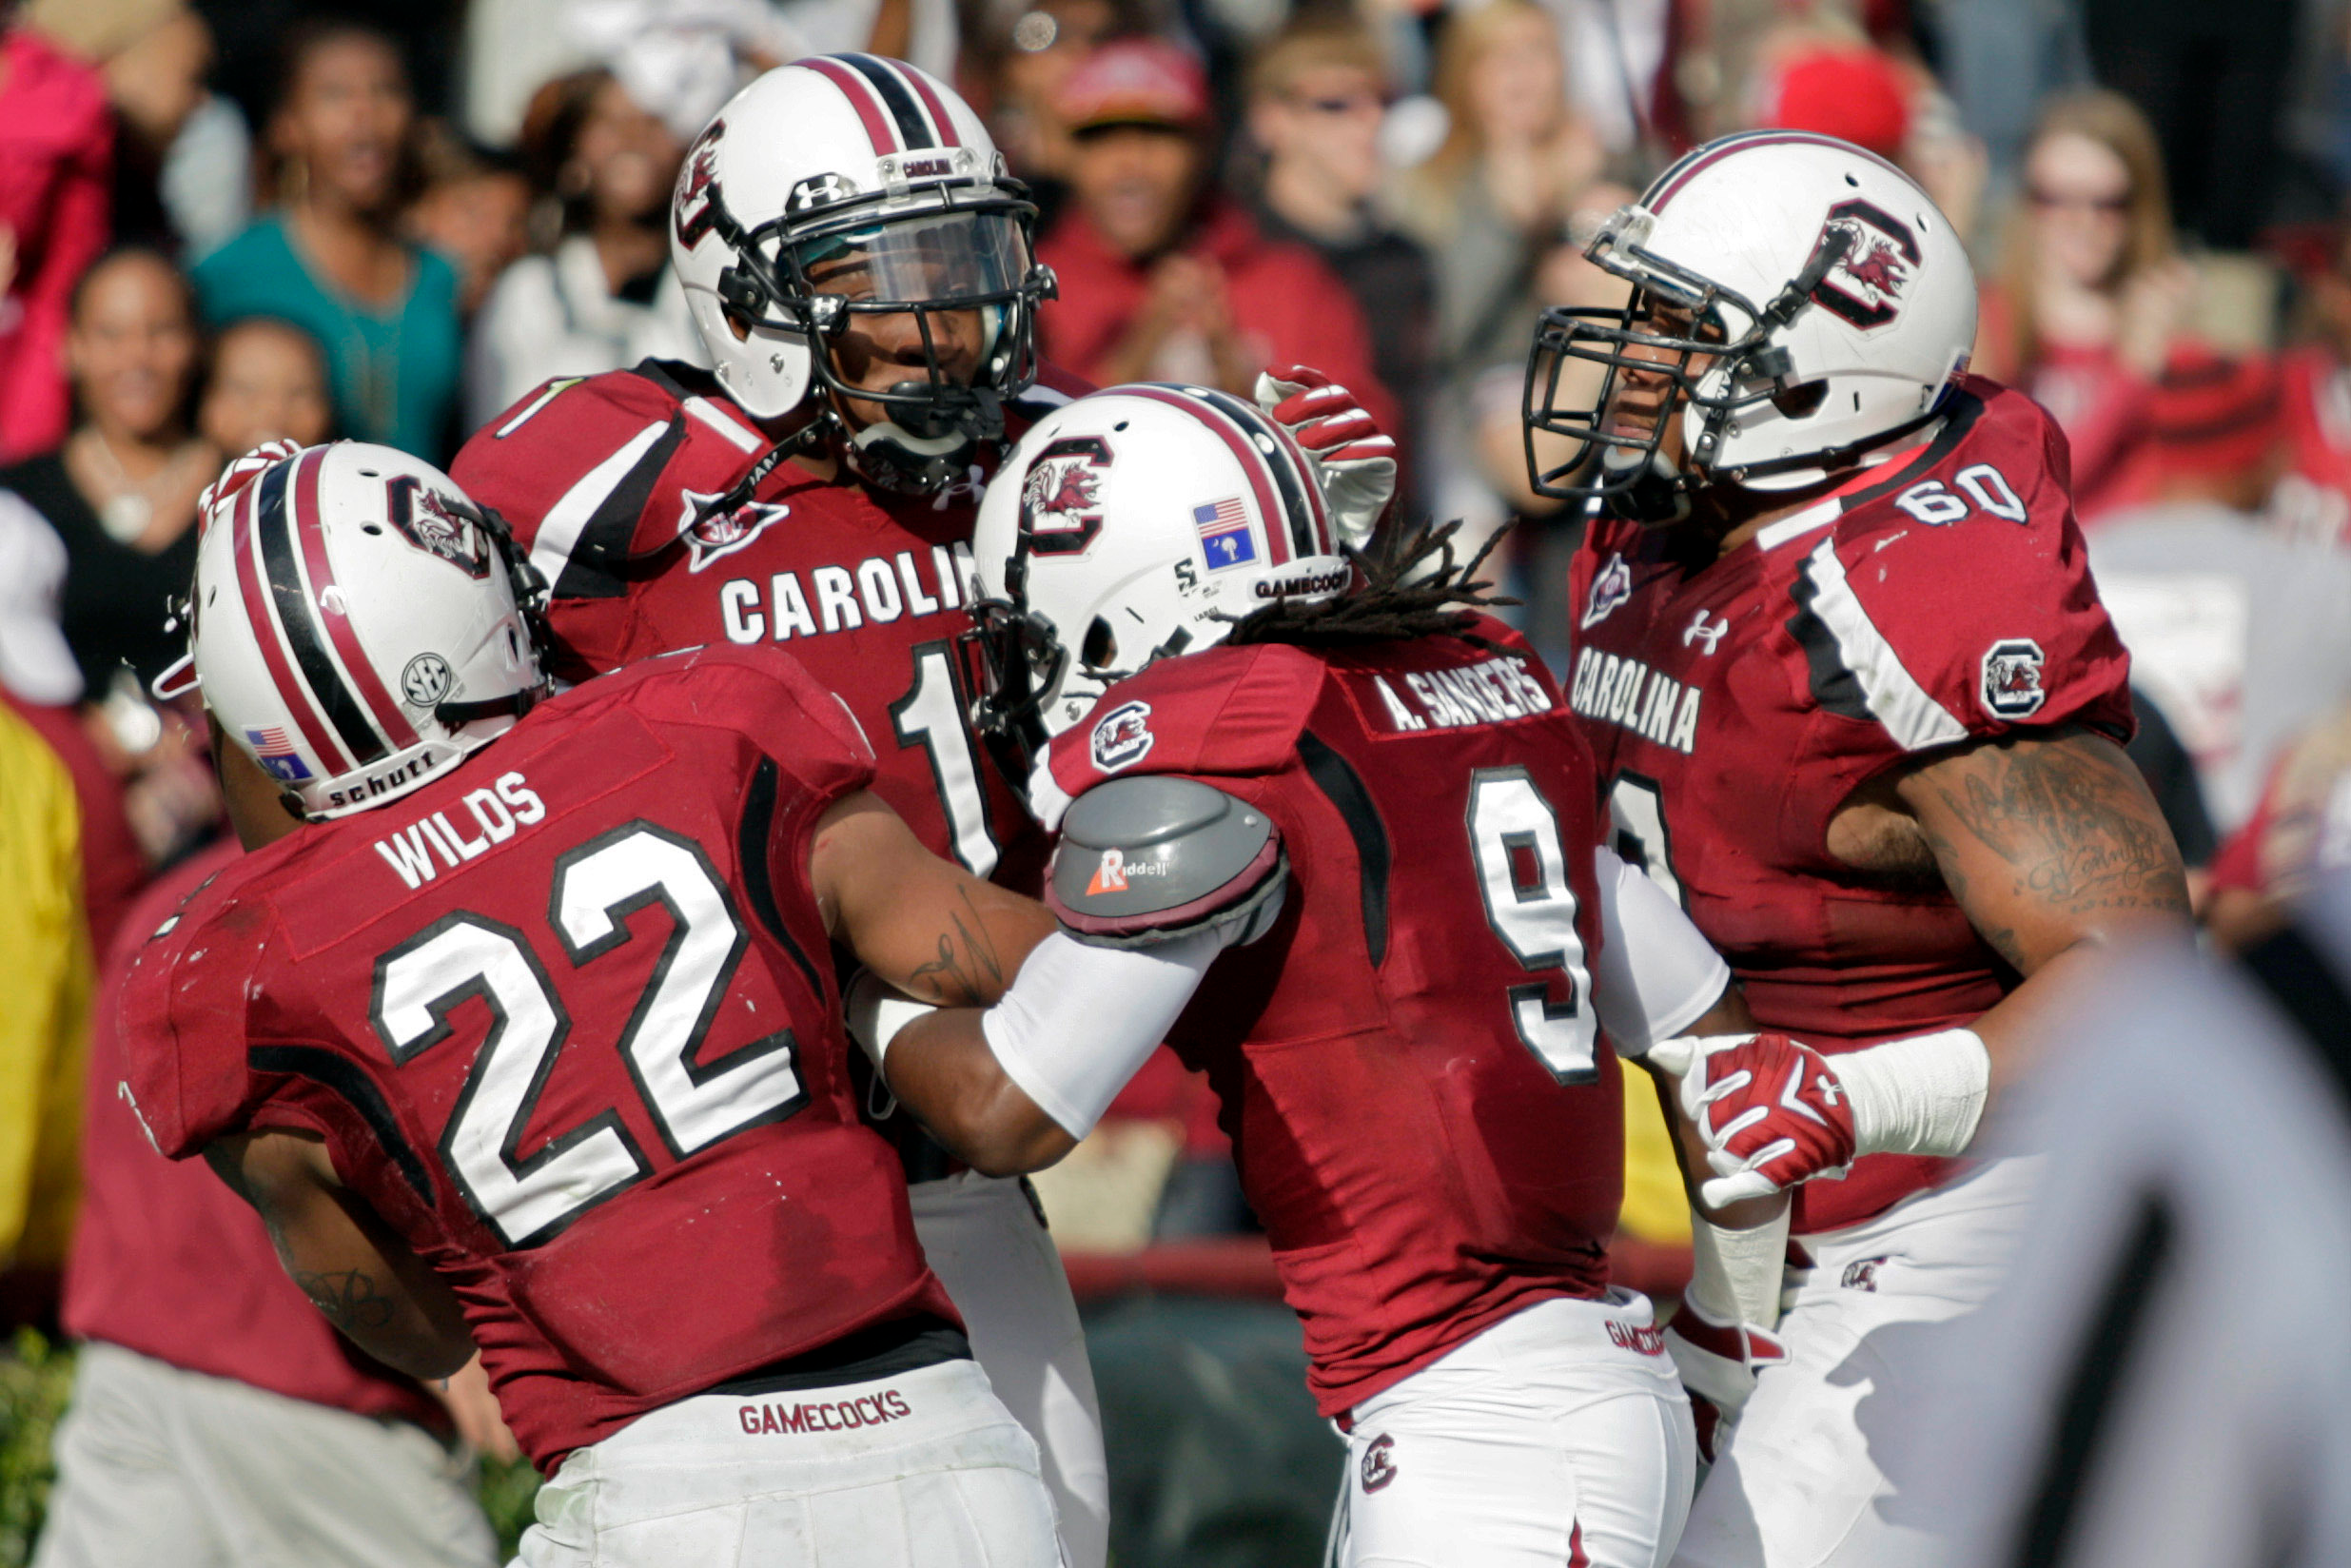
(1136, 82)
(2211, 414)
(1856, 94)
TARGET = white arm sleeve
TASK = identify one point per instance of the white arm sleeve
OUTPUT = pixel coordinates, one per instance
(1656, 975)
(1079, 1020)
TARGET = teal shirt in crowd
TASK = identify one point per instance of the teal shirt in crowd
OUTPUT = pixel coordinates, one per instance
(395, 375)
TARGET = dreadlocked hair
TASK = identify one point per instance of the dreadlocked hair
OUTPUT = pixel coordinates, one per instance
(1410, 588)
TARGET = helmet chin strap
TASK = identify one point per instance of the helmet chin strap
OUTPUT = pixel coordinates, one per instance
(1658, 497)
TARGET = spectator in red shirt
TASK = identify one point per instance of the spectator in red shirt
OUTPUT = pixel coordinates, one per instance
(56, 162)
(1164, 278)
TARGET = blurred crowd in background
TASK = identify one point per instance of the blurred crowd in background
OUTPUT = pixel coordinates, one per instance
(235, 220)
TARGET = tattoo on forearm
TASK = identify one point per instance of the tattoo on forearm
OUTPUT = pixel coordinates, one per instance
(348, 1297)
(967, 971)
(2071, 820)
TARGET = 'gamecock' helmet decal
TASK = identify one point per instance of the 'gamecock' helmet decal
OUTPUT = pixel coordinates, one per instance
(1866, 286)
(1057, 498)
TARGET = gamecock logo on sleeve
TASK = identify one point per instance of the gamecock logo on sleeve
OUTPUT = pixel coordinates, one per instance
(2012, 678)
(1881, 256)
(1122, 736)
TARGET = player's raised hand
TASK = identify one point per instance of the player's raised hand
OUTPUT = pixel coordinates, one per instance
(1353, 457)
(1772, 1109)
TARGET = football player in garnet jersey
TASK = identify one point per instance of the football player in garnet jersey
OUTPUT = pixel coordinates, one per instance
(1360, 823)
(515, 1026)
(1848, 680)
(860, 274)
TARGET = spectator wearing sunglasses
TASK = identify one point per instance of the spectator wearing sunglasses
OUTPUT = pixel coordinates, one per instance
(2091, 296)
(1316, 96)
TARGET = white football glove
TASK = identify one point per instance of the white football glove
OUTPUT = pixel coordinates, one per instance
(1352, 456)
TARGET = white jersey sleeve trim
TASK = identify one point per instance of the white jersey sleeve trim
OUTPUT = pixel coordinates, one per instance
(1912, 716)
(1773, 535)
(728, 429)
(1080, 1020)
(559, 531)
(1656, 975)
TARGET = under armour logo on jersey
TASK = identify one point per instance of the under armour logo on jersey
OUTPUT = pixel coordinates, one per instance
(1379, 1462)
(1699, 630)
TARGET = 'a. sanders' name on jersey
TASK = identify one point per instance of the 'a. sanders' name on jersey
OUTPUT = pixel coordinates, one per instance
(841, 598)
(1493, 691)
(1626, 692)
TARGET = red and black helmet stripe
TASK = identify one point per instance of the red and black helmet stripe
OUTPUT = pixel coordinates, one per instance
(249, 584)
(1302, 497)
(897, 94)
(308, 523)
(897, 106)
(273, 531)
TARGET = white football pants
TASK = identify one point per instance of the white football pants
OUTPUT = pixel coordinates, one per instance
(1798, 1485)
(1560, 1435)
(925, 1469)
(1001, 1269)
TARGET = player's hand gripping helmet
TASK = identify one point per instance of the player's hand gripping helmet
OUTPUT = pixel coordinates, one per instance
(845, 187)
(355, 624)
(1134, 523)
(1800, 300)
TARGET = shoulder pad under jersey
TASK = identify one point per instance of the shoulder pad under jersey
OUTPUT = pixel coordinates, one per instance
(1151, 859)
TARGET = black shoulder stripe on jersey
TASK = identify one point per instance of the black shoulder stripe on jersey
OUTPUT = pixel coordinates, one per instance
(2101, 1368)
(1344, 789)
(1834, 687)
(341, 1077)
(912, 130)
(593, 571)
(757, 827)
(274, 527)
(1961, 410)
(2307, 989)
(678, 379)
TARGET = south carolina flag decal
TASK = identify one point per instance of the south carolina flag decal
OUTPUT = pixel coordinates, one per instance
(1224, 534)
(276, 755)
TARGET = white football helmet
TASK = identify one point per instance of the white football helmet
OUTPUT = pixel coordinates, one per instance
(1829, 305)
(1134, 523)
(850, 185)
(353, 625)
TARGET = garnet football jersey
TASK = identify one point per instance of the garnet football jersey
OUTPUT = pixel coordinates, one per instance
(564, 1021)
(1408, 1065)
(623, 488)
(1733, 703)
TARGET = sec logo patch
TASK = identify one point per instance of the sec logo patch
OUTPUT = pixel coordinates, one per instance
(1122, 738)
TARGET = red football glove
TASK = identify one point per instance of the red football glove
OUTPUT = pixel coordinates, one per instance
(1353, 457)
(1718, 1362)
(240, 472)
(1770, 1108)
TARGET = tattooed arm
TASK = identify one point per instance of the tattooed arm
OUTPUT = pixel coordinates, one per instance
(384, 1299)
(2053, 846)
(939, 934)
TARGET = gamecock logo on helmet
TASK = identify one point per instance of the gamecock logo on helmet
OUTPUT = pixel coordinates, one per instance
(425, 521)
(1881, 255)
(698, 187)
(1057, 498)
